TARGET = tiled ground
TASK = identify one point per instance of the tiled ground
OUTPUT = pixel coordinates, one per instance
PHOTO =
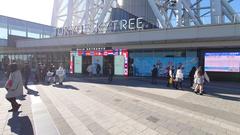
(124, 107)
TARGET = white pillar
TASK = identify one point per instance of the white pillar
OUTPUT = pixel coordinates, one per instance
(69, 20)
(179, 13)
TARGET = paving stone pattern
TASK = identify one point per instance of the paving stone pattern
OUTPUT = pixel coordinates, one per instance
(124, 107)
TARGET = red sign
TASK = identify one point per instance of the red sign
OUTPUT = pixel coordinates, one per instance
(80, 53)
(71, 62)
(125, 54)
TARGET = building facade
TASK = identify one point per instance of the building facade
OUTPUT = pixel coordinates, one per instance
(174, 33)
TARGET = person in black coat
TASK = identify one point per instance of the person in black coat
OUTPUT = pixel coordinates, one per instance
(98, 69)
(154, 74)
(26, 74)
(110, 73)
(191, 76)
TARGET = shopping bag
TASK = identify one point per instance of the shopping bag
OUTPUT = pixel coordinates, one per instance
(170, 80)
(8, 84)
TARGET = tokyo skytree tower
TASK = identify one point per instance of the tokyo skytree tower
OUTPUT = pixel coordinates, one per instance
(168, 13)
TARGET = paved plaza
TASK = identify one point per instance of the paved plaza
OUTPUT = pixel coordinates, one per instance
(127, 106)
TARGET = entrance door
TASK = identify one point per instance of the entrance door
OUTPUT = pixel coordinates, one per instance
(86, 61)
(106, 61)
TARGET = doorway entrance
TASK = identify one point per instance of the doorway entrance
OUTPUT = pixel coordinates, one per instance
(86, 61)
(106, 61)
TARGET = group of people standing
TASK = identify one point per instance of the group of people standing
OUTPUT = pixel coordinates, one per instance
(51, 74)
(175, 78)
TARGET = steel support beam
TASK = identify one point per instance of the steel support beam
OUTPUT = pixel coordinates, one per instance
(157, 14)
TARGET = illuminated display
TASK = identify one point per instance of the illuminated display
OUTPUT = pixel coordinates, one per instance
(101, 52)
(222, 62)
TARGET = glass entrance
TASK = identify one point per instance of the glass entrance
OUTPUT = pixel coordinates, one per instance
(106, 61)
(86, 61)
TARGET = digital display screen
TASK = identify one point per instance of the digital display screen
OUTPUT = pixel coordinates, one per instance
(222, 61)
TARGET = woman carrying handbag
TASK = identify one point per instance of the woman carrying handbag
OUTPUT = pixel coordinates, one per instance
(14, 86)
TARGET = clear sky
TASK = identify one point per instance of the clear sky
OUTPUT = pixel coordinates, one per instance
(39, 11)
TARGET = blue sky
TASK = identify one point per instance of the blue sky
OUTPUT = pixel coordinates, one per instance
(40, 11)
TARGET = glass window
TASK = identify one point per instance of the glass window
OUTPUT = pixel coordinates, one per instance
(18, 33)
(3, 33)
(33, 35)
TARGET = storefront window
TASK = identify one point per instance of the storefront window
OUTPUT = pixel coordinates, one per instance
(143, 61)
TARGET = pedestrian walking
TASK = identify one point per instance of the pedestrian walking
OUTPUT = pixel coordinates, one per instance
(26, 74)
(51, 74)
(179, 78)
(154, 74)
(98, 69)
(89, 70)
(110, 73)
(60, 72)
(191, 76)
(53, 70)
(7, 70)
(199, 81)
(14, 87)
(170, 77)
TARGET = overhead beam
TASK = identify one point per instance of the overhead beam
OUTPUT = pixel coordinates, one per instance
(157, 13)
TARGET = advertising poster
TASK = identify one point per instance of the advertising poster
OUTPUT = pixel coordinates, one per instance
(71, 62)
(119, 65)
(97, 60)
(78, 64)
(144, 65)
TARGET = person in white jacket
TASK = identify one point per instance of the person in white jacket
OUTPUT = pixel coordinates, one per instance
(14, 86)
(60, 73)
(179, 78)
(199, 79)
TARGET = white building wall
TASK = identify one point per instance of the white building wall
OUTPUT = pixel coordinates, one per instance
(219, 32)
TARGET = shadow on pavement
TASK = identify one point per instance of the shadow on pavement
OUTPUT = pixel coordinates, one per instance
(224, 93)
(66, 87)
(224, 90)
(32, 92)
(20, 125)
